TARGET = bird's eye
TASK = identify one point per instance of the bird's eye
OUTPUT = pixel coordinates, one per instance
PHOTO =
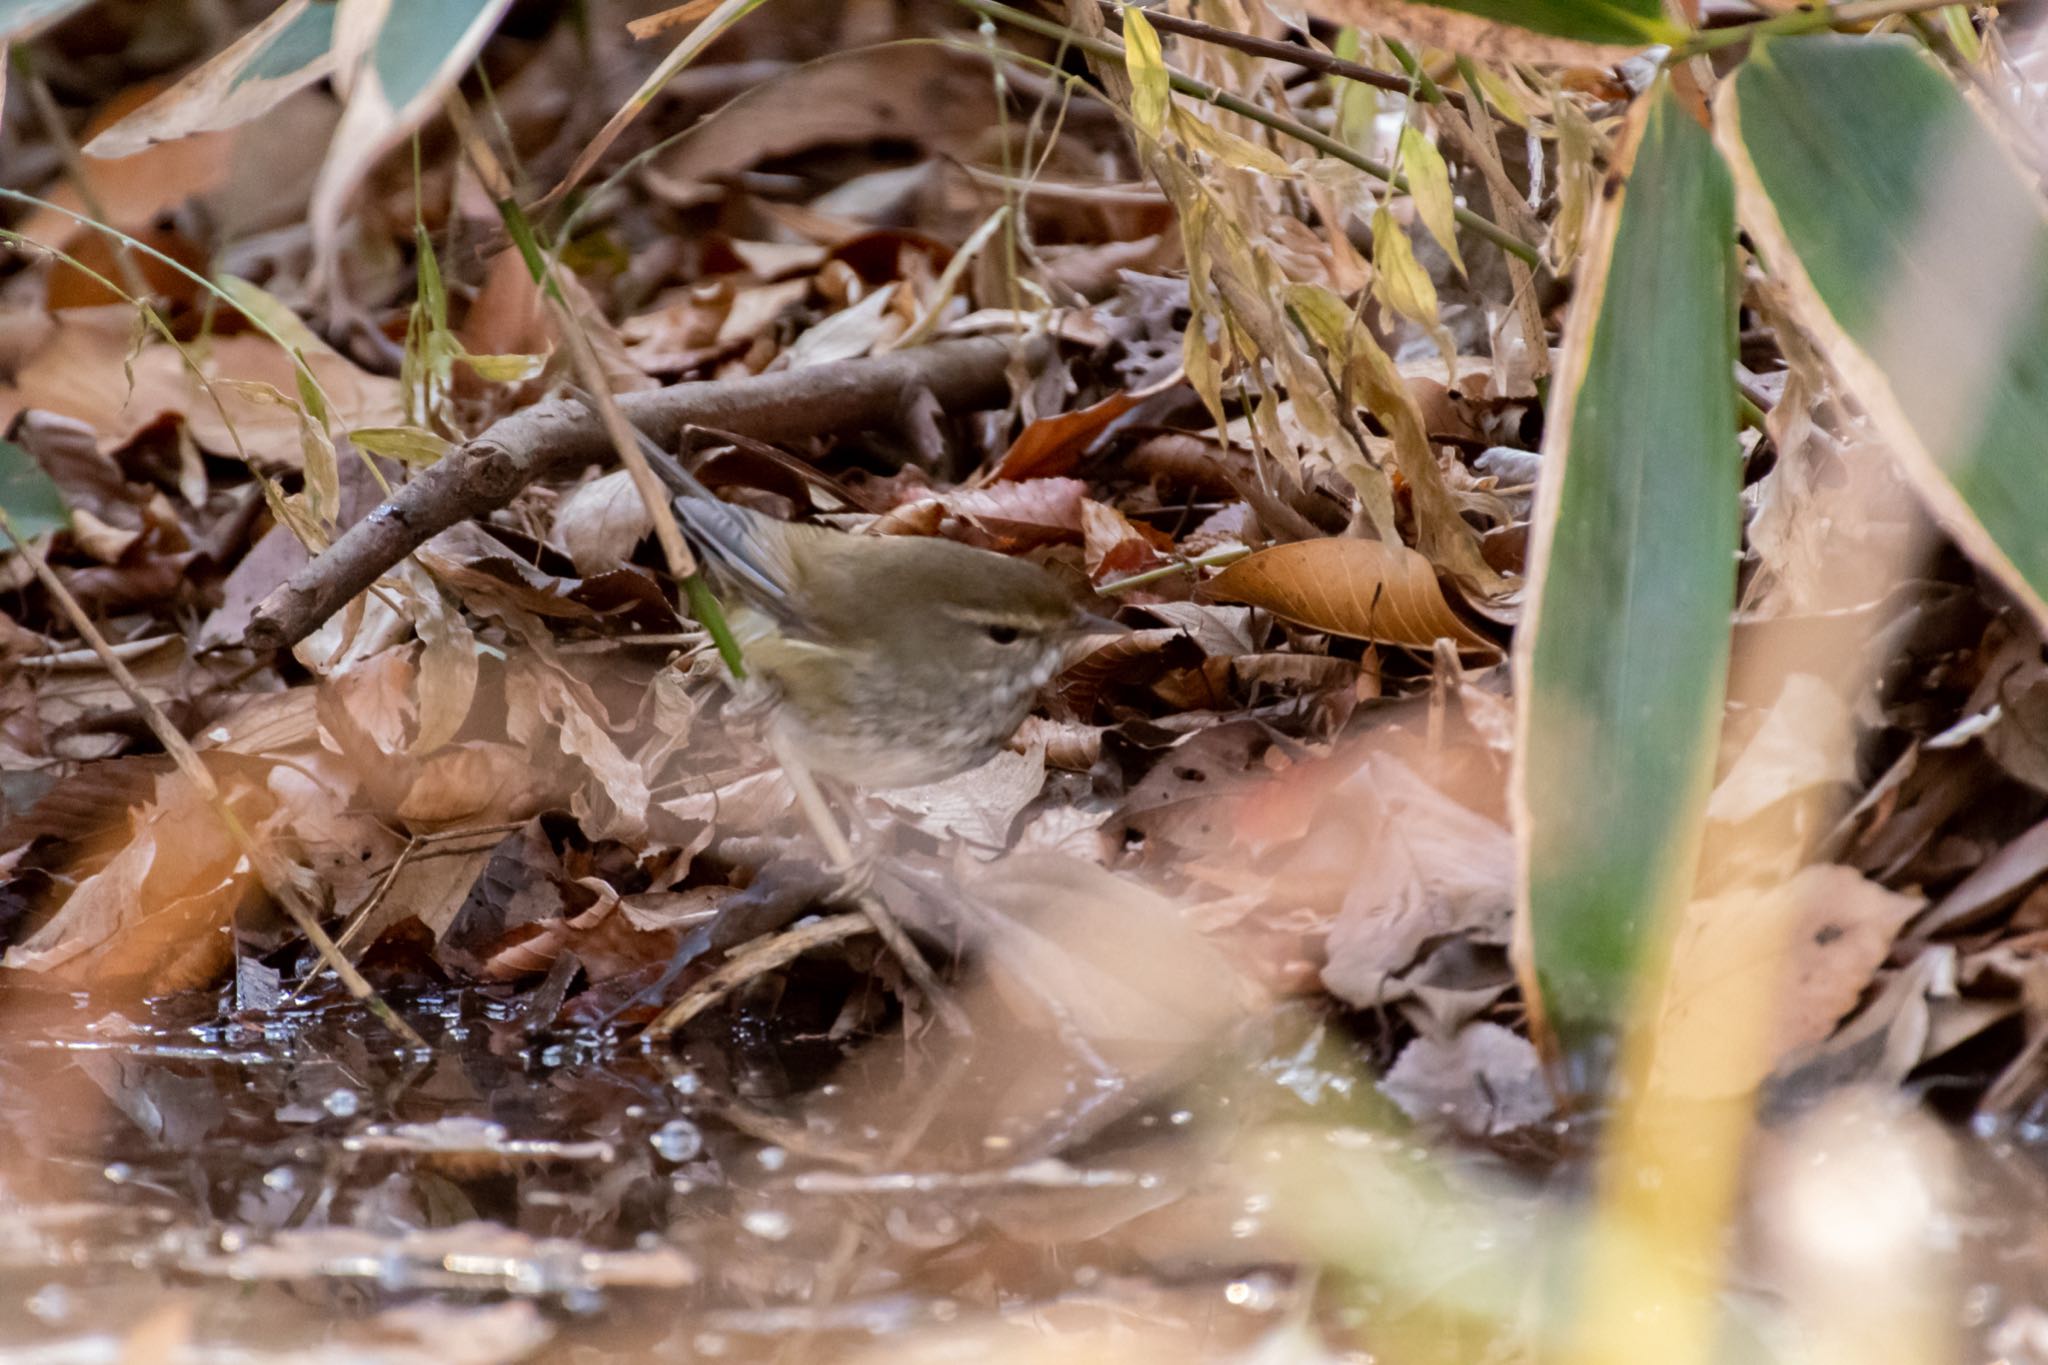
(1003, 635)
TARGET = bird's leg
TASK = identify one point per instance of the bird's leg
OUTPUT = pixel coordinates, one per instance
(859, 888)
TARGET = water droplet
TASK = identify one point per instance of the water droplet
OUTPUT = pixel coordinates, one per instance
(51, 1303)
(119, 1172)
(1244, 1227)
(687, 1083)
(280, 1178)
(772, 1158)
(1181, 1118)
(677, 1140)
(342, 1103)
(771, 1225)
(1254, 1292)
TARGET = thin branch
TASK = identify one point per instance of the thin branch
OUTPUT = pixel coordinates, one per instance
(487, 471)
(1279, 123)
(758, 960)
(1852, 14)
(1295, 54)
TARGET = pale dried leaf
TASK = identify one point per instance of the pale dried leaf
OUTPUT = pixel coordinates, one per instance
(601, 522)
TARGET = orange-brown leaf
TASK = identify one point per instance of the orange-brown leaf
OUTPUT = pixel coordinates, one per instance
(1366, 589)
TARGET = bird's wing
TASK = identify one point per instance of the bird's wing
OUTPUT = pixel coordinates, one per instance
(731, 537)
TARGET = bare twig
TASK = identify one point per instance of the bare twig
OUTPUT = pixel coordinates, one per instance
(763, 957)
(1296, 54)
(488, 471)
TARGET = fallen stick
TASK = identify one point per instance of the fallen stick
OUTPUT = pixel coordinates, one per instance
(489, 470)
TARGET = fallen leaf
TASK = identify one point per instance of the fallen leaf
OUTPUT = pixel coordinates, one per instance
(1807, 740)
(601, 521)
(978, 806)
(1804, 952)
(1483, 1082)
(1054, 445)
(1366, 589)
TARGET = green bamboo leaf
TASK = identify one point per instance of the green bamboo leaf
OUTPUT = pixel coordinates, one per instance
(1613, 23)
(288, 51)
(33, 504)
(21, 18)
(1622, 658)
(1917, 253)
(395, 62)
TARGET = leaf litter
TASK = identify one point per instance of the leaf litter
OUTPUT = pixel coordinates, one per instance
(1244, 876)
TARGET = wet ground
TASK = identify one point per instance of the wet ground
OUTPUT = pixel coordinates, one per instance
(184, 1184)
(255, 1188)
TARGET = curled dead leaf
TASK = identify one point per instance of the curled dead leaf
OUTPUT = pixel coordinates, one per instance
(1366, 589)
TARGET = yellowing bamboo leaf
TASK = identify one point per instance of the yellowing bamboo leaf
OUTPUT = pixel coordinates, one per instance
(1151, 92)
(1228, 147)
(408, 445)
(1357, 104)
(504, 369)
(1204, 370)
(1365, 589)
(1429, 184)
(1399, 281)
(1370, 375)
(1577, 179)
(1502, 95)
(1955, 21)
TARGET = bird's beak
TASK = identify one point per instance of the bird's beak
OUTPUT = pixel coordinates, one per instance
(1090, 623)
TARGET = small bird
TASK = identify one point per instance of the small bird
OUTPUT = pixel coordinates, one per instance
(887, 661)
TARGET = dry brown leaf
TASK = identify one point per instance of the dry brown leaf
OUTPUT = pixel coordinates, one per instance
(916, 92)
(158, 911)
(1805, 951)
(84, 373)
(551, 709)
(1008, 515)
(1484, 1081)
(475, 782)
(1366, 589)
(1054, 445)
(1112, 545)
(131, 191)
(1420, 866)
